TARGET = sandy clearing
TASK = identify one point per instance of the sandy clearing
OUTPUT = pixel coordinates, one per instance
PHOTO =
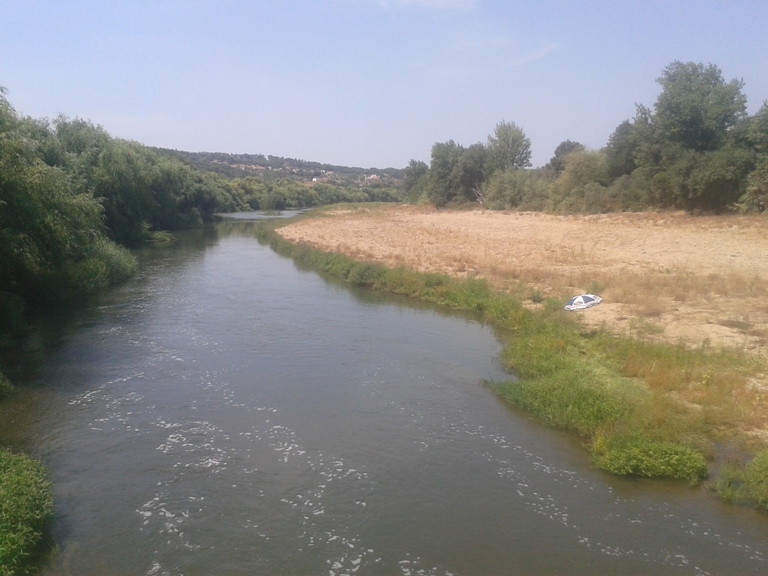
(668, 276)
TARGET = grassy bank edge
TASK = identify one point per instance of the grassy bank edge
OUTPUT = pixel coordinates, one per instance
(26, 501)
(617, 393)
(26, 506)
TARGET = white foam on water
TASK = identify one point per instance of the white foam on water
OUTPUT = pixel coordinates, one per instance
(530, 475)
(529, 489)
(192, 446)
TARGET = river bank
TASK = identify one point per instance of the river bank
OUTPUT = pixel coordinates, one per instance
(651, 393)
(241, 413)
(26, 506)
(673, 277)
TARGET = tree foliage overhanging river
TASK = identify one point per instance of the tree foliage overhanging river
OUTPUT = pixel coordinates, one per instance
(227, 413)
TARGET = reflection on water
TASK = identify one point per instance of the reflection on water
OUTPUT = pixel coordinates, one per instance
(227, 413)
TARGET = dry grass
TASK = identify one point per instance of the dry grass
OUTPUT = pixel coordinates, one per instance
(689, 292)
(699, 277)
(664, 278)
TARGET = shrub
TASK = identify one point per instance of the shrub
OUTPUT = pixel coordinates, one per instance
(520, 189)
(106, 264)
(120, 263)
(632, 192)
(26, 505)
(757, 188)
(638, 456)
(746, 484)
(581, 187)
(565, 401)
(364, 274)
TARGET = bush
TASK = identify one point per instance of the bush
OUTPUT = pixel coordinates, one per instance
(642, 457)
(566, 402)
(26, 505)
(520, 189)
(632, 192)
(757, 188)
(581, 187)
(746, 484)
(106, 264)
(120, 264)
(364, 274)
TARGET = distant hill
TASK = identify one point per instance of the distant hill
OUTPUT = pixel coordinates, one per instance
(275, 167)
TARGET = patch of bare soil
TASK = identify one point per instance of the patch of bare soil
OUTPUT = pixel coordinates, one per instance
(669, 276)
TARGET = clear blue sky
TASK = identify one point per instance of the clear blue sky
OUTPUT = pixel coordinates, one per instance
(364, 82)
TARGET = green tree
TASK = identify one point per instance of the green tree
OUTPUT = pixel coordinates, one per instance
(557, 162)
(456, 172)
(757, 130)
(519, 189)
(415, 180)
(51, 236)
(756, 196)
(582, 186)
(693, 146)
(703, 181)
(697, 106)
(122, 182)
(8, 119)
(444, 182)
(621, 149)
(471, 170)
(509, 148)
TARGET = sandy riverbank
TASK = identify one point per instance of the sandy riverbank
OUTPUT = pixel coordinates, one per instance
(668, 276)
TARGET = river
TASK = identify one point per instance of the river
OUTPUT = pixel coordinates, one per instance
(227, 413)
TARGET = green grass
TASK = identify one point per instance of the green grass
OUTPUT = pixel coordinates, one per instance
(470, 295)
(26, 505)
(565, 401)
(576, 382)
(745, 483)
(106, 264)
(640, 456)
(644, 408)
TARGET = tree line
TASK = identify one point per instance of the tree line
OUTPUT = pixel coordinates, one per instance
(73, 199)
(696, 149)
(271, 167)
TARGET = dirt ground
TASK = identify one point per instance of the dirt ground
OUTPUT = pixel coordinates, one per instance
(669, 276)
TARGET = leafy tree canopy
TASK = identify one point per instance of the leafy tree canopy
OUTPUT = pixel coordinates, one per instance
(697, 106)
(509, 147)
(757, 129)
(415, 180)
(557, 162)
(444, 184)
(621, 149)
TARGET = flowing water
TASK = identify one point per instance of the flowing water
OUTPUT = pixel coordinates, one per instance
(227, 413)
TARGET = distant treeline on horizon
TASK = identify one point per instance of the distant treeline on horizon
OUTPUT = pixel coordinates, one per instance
(274, 166)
